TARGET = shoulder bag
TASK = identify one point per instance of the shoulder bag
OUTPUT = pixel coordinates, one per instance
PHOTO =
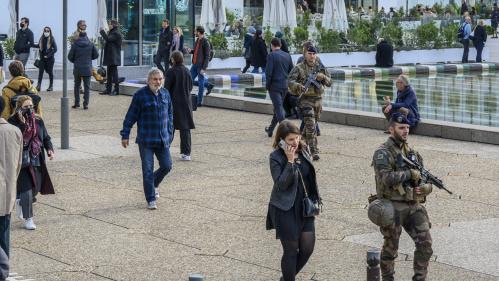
(311, 207)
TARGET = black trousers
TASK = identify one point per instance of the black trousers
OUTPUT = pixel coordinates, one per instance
(46, 65)
(162, 57)
(466, 50)
(185, 141)
(86, 89)
(479, 49)
(112, 77)
(248, 64)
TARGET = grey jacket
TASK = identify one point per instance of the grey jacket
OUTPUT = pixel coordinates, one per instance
(286, 180)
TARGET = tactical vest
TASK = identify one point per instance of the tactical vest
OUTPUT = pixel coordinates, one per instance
(306, 70)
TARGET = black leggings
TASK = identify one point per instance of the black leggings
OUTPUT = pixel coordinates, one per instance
(248, 64)
(296, 254)
(46, 65)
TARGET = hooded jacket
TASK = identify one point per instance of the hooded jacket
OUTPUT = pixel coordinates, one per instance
(17, 83)
(81, 55)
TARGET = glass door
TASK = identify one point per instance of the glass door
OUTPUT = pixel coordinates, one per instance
(128, 17)
(154, 12)
(183, 11)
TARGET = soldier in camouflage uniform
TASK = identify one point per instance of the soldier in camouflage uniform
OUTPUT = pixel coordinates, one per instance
(310, 103)
(397, 183)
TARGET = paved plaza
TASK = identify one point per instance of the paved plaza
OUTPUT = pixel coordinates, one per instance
(211, 213)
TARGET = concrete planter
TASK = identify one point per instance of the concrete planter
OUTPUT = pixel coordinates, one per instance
(368, 58)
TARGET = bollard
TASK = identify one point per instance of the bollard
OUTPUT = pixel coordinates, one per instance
(196, 277)
(373, 270)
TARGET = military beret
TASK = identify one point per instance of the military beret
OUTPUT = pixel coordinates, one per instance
(312, 49)
(399, 118)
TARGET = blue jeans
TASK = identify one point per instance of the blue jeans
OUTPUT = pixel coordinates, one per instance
(153, 179)
(277, 97)
(255, 69)
(202, 81)
(5, 233)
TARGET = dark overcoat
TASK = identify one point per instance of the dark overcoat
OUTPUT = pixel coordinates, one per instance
(112, 47)
(258, 53)
(81, 55)
(178, 82)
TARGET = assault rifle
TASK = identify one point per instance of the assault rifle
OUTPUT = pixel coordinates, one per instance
(426, 176)
(311, 81)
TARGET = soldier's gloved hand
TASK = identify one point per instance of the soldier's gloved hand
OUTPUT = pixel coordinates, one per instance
(413, 174)
(320, 77)
(424, 189)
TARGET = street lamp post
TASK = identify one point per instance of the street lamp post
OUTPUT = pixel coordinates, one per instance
(64, 99)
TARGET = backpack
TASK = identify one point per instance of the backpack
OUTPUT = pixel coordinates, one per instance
(212, 52)
(13, 100)
(460, 32)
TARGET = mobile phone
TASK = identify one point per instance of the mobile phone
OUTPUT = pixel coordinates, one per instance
(283, 144)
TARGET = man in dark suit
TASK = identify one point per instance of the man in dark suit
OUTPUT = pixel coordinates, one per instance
(165, 43)
(384, 54)
(112, 56)
(279, 64)
(200, 60)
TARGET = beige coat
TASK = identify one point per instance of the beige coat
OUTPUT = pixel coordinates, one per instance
(11, 148)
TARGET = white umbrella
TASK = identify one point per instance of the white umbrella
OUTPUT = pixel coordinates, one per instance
(290, 13)
(277, 14)
(267, 7)
(334, 16)
(220, 16)
(13, 16)
(101, 16)
(207, 19)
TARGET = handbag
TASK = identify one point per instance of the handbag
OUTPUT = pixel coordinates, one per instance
(472, 34)
(311, 207)
(194, 101)
(26, 158)
(37, 63)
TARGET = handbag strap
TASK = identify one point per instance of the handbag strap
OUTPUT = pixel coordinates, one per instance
(303, 183)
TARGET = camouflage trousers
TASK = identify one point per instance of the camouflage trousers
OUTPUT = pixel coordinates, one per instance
(311, 108)
(415, 221)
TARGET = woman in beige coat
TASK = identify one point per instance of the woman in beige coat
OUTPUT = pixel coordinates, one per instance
(11, 147)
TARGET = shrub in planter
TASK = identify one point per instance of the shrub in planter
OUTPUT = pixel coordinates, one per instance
(268, 35)
(427, 36)
(8, 47)
(449, 34)
(220, 45)
(328, 40)
(392, 32)
(300, 36)
(363, 34)
(489, 30)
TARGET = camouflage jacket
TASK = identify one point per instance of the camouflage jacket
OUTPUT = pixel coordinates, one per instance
(299, 75)
(393, 177)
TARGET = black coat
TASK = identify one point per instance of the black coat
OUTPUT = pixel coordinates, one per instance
(112, 47)
(203, 53)
(279, 65)
(24, 41)
(178, 82)
(165, 40)
(258, 53)
(286, 180)
(50, 52)
(284, 46)
(384, 54)
(81, 55)
(480, 35)
(1, 57)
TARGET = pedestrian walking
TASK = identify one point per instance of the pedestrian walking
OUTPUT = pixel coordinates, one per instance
(81, 55)
(33, 177)
(112, 56)
(47, 49)
(18, 85)
(200, 60)
(310, 102)
(248, 39)
(479, 39)
(464, 7)
(151, 108)
(466, 31)
(405, 103)
(398, 199)
(24, 41)
(164, 46)
(178, 82)
(258, 52)
(284, 43)
(279, 65)
(294, 179)
(11, 145)
(495, 20)
(178, 40)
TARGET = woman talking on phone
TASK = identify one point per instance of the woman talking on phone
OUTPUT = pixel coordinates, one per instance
(294, 200)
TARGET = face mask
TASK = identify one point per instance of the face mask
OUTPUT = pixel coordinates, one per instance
(27, 111)
(21, 25)
(46, 34)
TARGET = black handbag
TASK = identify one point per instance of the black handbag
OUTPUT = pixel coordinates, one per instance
(37, 63)
(311, 207)
(26, 158)
(194, 101)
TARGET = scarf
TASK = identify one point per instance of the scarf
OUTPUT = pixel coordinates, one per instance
(176, 42)
(30, 135)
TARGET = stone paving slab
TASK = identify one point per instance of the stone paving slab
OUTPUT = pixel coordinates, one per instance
(211, 215)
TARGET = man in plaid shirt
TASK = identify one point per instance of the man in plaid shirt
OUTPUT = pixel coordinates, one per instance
(151, 109)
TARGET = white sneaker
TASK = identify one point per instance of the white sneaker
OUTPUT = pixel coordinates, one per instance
(156, 192)
(30, 224)
(152, 205)
(19, 209)
(184, 157)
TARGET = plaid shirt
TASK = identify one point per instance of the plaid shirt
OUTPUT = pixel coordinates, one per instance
(154, 117)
